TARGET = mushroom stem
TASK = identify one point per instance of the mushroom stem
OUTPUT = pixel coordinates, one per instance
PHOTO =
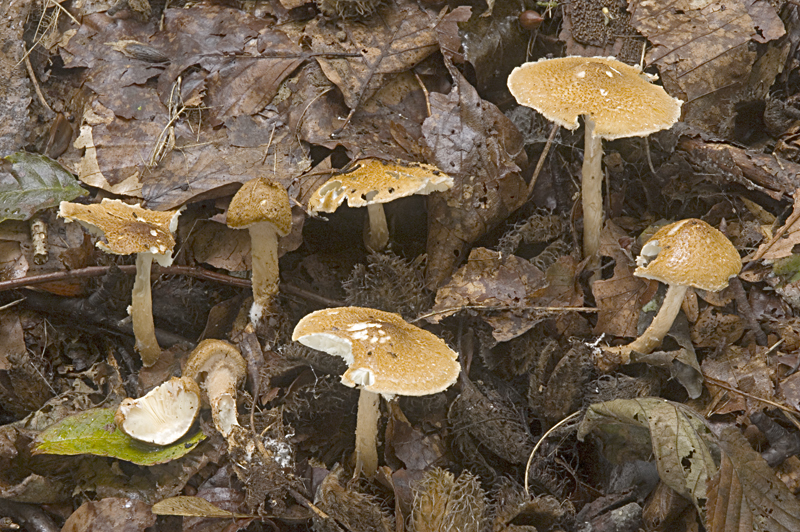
(264, 257)
(141, 311)
(378, 228)
(659, 327)
(367, 433)
(220, 387)
(592, 191)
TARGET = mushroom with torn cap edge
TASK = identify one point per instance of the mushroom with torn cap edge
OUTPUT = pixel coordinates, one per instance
(262, 207)
(219, 369)
(682, 254)
(131, 229)
(386, 356)
(616, 101)
(163, 415)
(371, 183)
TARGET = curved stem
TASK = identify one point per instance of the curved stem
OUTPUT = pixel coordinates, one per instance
(659, 327)
(378, 228)
(592, 192)
(264, 258)
(141, 311)
(369, 413)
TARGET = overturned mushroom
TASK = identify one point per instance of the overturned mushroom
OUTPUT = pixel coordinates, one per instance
(163, 415)
(219, 369)
(386, 356)
(616, 101)
(131, 229)
(682, 254)
(372, 183)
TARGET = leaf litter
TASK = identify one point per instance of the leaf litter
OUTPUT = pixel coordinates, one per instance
(177, 106)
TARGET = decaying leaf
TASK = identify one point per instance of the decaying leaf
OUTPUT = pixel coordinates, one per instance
(489, 280)
(745, 494)
(622, 297)
(743, 369)
(94, 432)
(111, 513)
(42, 183)
(789, 237)
(473, 142)
(637, 429)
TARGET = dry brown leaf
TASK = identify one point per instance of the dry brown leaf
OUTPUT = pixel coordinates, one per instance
(622, 297)
(790, 237)
(714, 328)
(473, 142)
(704, 58)
(400, 38)
(742, 370)
(124, 515)
(745, 494)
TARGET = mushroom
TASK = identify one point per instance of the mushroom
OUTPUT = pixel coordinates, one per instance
(371, 183)
(131, 229)
(682, 254)
(386, 356)
(616, 101)
(163, 415)
(262, 207)
(218, 368)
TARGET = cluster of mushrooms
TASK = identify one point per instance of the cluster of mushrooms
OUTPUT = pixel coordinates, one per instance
(387, 356)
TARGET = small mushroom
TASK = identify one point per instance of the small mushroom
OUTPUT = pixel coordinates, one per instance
(682, 254)
(131, 229)
(219, 369)
(262, 207)
(386, 356)
(616, 101)
(163, 415)
(371, 183)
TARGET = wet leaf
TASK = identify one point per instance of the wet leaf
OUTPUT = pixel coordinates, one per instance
(637, 429)
(42, 183)
(474, 143)
(745, 494)
(192, 507)
(94, 432)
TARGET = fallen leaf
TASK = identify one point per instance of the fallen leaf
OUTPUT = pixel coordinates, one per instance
(192, 507)
(789, 237)
(741, 369)
(745, 494)
(637, 429)
(111, 513)
(474, 143)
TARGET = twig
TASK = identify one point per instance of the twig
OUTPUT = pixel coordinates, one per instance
(730, 388)
(35, 82)
(542, 157)
(425, 91)
(539, 443)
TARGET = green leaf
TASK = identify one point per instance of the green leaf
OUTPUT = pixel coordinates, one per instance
(685, 449)
(41, 183)
(94, 432)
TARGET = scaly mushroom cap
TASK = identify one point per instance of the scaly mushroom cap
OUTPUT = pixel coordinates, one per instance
(374, 181)
(261, 200)
(209, 356)
(616, 96)
(163, 415)
(689, 252)
(386, 354)
(127, 229)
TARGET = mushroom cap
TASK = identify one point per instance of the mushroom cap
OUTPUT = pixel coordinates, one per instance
(689, 252)
(261, 200)
(163, 415)
(386, 354)
(617, 97)
(127, 229)
(210, 355)
(374, 181)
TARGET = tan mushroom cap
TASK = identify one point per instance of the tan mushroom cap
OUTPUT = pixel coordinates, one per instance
(399, 358)
(374, 181)
(211, 354)
(261, 200)
(126, 228)
(690, 253)
(616, 96)
(163, 415)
